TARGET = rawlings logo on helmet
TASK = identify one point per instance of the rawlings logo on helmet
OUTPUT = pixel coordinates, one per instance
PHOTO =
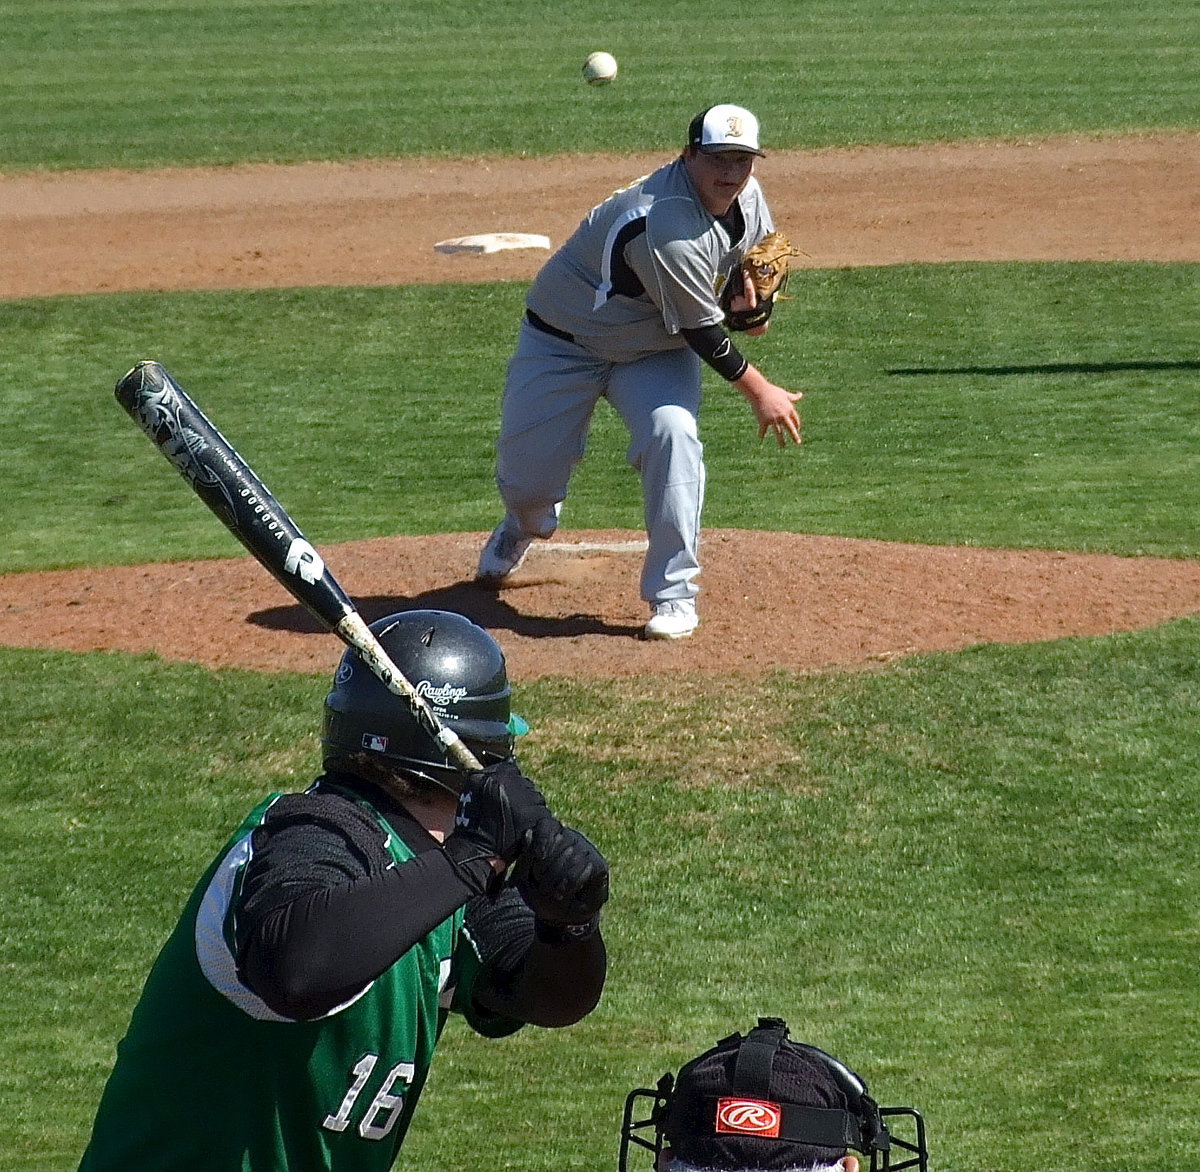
(748, 1117)
(446, 694)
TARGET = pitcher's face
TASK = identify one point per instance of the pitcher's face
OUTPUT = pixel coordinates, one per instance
(719, 177)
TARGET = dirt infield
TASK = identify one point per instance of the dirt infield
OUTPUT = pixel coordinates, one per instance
(376, 223)
(769, 600)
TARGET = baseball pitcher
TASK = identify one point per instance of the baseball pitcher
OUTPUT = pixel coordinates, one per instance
(628, 308)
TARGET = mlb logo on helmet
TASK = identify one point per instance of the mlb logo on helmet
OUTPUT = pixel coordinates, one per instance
(748, 1117)
(374, 742)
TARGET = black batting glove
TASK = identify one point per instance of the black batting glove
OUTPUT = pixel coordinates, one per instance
(562, 877)
(496, 810)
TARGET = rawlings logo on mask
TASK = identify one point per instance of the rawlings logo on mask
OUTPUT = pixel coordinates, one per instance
(748, 1117)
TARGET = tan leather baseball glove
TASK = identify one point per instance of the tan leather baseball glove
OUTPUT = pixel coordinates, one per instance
(766, 263)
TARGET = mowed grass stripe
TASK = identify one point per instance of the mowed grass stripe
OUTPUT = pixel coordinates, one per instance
(1004, 405)
(207, 81)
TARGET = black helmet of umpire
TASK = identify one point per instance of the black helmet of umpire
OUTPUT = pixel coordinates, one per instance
(455, 665)
(760, 1100)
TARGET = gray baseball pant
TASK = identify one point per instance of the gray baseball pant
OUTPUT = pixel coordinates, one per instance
(552, 389)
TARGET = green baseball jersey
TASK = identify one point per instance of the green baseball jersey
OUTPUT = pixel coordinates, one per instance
(208, 1077)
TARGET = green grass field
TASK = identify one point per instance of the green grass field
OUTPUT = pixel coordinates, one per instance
(86, 84)
(1006, 405)
(972, 875)
(975, 876)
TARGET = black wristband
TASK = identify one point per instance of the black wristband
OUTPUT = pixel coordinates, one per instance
(714, 345)
(471, 863)
(748, 319)
(559, 934)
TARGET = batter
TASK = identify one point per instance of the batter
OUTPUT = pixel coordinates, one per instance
(290, 1019)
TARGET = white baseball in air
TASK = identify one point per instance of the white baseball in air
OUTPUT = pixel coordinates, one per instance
(599, 68)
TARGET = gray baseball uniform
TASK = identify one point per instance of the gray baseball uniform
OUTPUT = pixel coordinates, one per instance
(604, 317)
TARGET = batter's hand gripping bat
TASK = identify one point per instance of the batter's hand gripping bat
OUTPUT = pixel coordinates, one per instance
(228, 485)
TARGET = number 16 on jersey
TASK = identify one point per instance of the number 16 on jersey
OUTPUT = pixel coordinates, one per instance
(386, 1103)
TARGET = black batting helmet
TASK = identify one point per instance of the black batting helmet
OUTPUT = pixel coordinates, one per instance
(763, 1101)
(459, 670)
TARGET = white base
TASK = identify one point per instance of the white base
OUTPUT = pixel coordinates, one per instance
(492, 242)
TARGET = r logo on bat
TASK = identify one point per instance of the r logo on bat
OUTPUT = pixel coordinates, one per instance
(748, 1117)
(302, 559)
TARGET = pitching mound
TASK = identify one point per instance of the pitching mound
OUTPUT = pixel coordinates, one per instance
(770, 600)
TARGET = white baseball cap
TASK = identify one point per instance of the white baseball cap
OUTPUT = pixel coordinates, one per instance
(724, 128)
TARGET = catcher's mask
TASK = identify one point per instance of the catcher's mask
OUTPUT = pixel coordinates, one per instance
(459, 669)
(763, 1101)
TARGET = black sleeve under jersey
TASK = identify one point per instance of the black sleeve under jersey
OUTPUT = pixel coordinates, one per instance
(715, 346)
(324, 909)
(532, 972)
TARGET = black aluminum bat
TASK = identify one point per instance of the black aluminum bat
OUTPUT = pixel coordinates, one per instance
(232, 490)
